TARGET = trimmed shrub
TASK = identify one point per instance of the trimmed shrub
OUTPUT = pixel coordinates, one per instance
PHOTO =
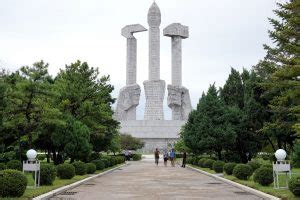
(113, 161)
(189, 160)
(14, 164)
(41, 157)
(136, 157)
(7, 156)
(100, 165)
(106, 162)
(267, 166)
(201, 162)
(294, 185)
(90, 168)
(242, 171)
(80, 167)
(48, 174)
(65, 171)
(254, 164)
(228, 168)
(120, 159)
(208, 163)
(12, 183)
(2, 166)
(263, 176)
(218, 166)
(94, 156)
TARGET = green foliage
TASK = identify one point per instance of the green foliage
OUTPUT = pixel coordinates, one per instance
(208, 163)
(100, 165)
(218, 166)
(41, 157)
(94, 156)
(263, 176)
(131, 143)
(65, 171)
(12, 183)
(201, 162)
(136, 156)
(254, 164)
(181, 147)
(7, 156)
(280, 71)
(106, 162)
(228, 168)
(14, 164)
(80, 168)
(296, 156)
(48, 174)
(207, 127)
(87, 98)
(2, 166)
(242, 171)
(90, 168)
(294, 185)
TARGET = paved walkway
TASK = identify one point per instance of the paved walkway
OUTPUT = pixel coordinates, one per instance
(144, 180)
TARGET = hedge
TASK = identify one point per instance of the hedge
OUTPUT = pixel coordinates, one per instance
(80, 167)
(14, 164)
(12, 183)
(65, 171)
(228, 168)
(242, 171)
(90, 168)
(263, 176)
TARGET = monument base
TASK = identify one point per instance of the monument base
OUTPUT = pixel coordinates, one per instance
(155, 133)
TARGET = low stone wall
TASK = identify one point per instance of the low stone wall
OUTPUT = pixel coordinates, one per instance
(155, 134)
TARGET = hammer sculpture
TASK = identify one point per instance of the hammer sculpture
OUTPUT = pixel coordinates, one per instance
(178, 96)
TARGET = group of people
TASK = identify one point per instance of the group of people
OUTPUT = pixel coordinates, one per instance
(169, 155)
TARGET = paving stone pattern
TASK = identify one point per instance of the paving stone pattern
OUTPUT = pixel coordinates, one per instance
(144, 180)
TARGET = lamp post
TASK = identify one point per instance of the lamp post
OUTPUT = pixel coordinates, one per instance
(32, 165)
(281, 166)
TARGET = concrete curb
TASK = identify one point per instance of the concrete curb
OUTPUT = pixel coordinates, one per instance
(238, 185)
(73, 185)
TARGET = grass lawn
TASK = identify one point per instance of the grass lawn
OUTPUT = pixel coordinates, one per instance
(31, 192)
(285, 194)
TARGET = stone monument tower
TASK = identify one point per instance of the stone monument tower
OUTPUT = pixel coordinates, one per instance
(154, 130)
(154, 87)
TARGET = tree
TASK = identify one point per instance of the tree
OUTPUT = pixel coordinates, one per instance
(87, 98)
(280, 70)
(131, 143)
(27, 107)
(73, 140)
(181, 147)
(243, 114)
(207, 128)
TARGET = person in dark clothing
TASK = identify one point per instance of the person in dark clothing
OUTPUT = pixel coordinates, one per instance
(183, 159)
(156, 156)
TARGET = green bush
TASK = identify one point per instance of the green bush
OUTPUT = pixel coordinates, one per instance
(189, 160)
(100, 165)
(113, 161)
(14, 164)
(294, 185)
(12, 183)
(267, 166)
(208, 163)
(7, 156)
(48, 174)
(90, 168)
(242, 171)
(80, 167)
(228, 168)
(41, 157)
(296, 156)
(136, 157)
(2, 166)
(201, 162)
(94, 156)
(106, 162)
(254, 164)
(218, 166)
(65, 171)
(263, 176)
(120, 159)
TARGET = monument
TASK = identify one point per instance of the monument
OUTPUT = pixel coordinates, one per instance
(154, 130)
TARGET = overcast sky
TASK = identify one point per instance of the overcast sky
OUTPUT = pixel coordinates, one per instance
(223, 34)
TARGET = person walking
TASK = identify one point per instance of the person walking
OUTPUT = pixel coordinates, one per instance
(156, 156)
(166, 156)
(172, 157)
(183, 159)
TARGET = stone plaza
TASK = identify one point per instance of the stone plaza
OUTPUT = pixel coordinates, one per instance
(154, 130)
